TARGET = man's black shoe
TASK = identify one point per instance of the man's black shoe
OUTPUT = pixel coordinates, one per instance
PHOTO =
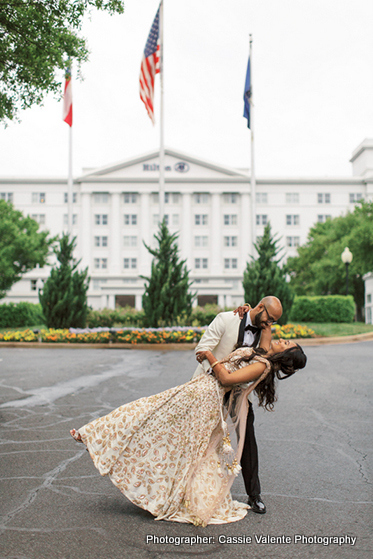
(256, 504)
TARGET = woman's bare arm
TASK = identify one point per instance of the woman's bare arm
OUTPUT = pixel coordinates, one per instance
(246, 374)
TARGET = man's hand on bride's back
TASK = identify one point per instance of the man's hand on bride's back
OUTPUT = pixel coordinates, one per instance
(202, 355)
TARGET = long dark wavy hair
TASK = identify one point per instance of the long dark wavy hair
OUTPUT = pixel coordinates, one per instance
(287, 362)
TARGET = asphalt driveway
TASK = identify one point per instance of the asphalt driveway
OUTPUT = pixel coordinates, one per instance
(315, 460)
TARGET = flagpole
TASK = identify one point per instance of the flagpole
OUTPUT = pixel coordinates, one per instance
(161, 143)
(252, 181)
(70, 183)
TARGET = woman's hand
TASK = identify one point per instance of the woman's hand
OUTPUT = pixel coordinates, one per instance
(242, 310)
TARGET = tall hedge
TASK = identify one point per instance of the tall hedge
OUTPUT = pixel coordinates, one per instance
(64, 296)
(328, 308)
(14, 315)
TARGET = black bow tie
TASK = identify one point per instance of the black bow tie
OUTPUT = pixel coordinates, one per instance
(253, 329)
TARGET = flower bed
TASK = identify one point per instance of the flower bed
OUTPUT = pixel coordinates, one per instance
(289, 331)
(173, 335)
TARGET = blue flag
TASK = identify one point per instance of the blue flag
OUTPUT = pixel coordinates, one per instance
(247, 95)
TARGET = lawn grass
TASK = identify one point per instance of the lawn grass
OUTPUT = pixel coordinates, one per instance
(332, 329)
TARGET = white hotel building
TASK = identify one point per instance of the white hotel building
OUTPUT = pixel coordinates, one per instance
(116, 208)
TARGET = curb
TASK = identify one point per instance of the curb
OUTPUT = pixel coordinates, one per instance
(367, 336)
(160, 347)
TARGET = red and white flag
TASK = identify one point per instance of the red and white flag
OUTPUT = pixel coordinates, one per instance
(68, 99)
(150, 66)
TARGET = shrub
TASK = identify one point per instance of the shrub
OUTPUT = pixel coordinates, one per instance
(13, 315)
(328, 308)
(126, 316)
(202, 316)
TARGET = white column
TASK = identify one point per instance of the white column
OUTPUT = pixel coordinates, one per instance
(115, 237)
(245, 229)
(145, 222)
(111, 301)
(85, 227)
(215, 235)
(369, 190)
(138, 302)
(185, 238)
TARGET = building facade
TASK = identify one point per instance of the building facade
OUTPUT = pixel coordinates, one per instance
(116, 211)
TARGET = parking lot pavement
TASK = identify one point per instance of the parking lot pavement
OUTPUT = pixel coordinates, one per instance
(315, 460)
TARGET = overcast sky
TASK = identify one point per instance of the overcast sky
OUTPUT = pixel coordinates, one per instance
(312, 84)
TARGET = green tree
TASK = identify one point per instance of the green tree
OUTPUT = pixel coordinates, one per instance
(167, 296)
(263, 275)
(318, 268)
(64, 295)
(36, 39)
(22, 246)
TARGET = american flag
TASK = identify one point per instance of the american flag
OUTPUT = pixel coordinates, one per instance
(150, 66)
(67, 113)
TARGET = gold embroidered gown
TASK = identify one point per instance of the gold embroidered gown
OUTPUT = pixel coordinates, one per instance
(171, 453)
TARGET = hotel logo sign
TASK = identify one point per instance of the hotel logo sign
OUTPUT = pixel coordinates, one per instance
(180, 167)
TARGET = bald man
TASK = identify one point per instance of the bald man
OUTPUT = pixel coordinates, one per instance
(225, 332)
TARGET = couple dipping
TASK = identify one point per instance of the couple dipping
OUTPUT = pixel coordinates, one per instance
(177, 453)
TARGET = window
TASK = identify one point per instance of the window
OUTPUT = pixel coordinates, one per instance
(66, 219)
(130, 198)
(100, 197)
(261, 219)
(201, 241)
(230, 219)
(7, 196)
(38, 197)
(261, 198)
(323, 198)
(230, 241)
(292, 241)
(323, 218)
(66, 197)
(33, 285)
(156, 219)
(292, 220)
(100, 263)
(230, 263)
(171, 198)
(130, 241)
(40, 218)
(292, 198)
(369, 297)
(355, 197)
(129, 263)
(101, 242)
(101, 219)
(201, 198)
(200, 263)
(201, 219)
(130, 219)
(230, 198)
(174, 218)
